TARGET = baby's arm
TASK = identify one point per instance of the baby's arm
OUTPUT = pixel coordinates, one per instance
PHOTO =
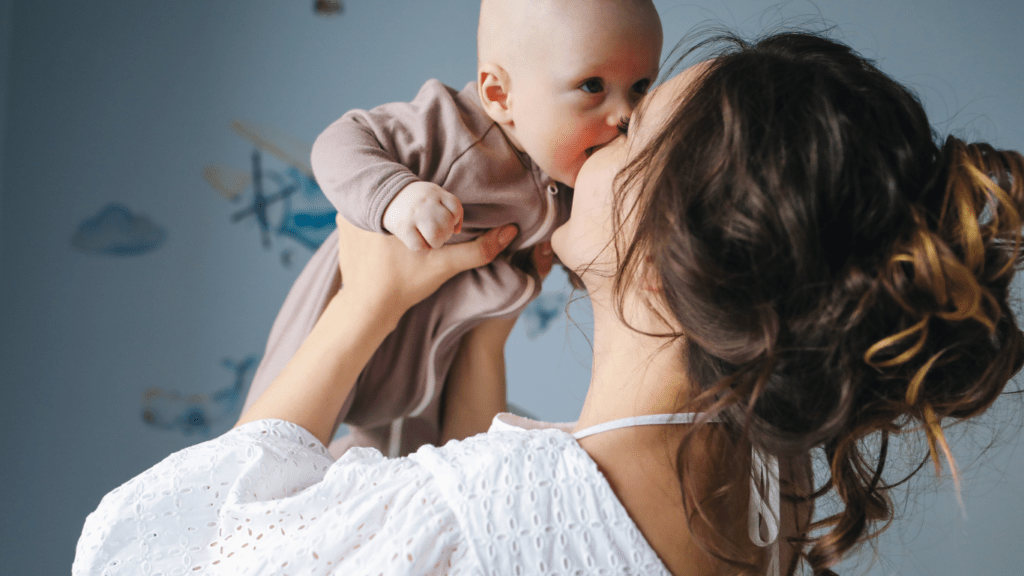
(368, 161)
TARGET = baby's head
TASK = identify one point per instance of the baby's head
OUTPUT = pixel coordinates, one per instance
(559, 76)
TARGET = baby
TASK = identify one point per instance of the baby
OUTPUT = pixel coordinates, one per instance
(555, 80)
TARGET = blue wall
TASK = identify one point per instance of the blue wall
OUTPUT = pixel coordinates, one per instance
(127, 101)
(5, 60)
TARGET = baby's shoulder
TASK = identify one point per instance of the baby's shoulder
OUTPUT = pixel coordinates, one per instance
(454, 111)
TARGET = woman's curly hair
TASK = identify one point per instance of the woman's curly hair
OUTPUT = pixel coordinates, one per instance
(838, 272)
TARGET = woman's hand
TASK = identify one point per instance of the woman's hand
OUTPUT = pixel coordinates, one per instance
(382, 273)
(382, 279)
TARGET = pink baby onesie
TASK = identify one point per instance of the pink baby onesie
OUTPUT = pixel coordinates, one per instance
(361, 162)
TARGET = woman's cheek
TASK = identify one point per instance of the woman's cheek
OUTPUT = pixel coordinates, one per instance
(565, 242)
(556, 242)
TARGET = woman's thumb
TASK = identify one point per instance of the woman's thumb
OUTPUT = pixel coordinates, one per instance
(485, 248)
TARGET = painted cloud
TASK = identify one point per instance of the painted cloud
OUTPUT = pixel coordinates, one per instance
(116, 231)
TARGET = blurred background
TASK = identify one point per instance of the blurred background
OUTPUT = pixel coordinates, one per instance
(155, 207)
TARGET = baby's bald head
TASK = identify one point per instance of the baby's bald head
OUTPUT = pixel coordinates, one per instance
(510, 30)
(560, 76)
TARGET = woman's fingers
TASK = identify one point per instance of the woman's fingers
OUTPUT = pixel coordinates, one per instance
(543, 258)
(382, 272)
(469, 255)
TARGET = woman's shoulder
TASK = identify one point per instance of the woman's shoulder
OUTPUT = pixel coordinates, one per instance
(530, 498)
(269, 494)
(513, 449)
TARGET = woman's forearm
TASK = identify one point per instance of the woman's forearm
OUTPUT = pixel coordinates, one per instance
(315, 383)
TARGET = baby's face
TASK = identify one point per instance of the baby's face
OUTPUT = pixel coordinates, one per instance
(577, 82)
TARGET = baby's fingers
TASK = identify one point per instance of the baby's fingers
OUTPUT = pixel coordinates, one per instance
(454, 207)
(437, 225)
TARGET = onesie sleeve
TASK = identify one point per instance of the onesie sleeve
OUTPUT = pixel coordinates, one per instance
(366, 157)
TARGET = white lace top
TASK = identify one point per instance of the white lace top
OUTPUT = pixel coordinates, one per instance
(267, 498)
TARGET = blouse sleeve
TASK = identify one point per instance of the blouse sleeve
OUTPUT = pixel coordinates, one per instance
(267, 498)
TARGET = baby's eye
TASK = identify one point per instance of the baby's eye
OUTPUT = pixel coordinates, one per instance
(642, 86)
(592, 86)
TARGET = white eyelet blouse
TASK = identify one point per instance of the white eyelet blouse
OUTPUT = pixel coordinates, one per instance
(267, 498)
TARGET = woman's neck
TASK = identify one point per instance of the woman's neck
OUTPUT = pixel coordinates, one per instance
(632, 374)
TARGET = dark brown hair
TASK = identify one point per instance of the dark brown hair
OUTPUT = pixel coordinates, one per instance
(838, 272)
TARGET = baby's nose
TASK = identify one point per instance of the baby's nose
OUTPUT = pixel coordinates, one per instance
(618, 111)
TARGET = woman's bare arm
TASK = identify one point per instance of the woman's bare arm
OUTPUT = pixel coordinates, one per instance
(313, 386)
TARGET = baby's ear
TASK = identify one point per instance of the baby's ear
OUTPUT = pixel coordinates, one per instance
(493, 84)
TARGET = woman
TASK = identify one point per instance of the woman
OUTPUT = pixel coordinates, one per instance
(779, 257)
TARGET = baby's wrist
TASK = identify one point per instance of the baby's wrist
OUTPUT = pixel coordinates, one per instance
(394, 214)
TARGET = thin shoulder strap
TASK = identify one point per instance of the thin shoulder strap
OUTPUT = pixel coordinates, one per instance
(645, 420)
(764, 507)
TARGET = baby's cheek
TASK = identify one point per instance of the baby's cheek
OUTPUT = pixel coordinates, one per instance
(565, 147)
(571, 152)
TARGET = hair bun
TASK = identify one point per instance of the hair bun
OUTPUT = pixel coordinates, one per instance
(950, 277)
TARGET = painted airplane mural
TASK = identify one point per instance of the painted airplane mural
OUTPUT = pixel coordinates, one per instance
(284, 203)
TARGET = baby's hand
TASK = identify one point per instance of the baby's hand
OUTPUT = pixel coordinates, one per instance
(423, 215)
